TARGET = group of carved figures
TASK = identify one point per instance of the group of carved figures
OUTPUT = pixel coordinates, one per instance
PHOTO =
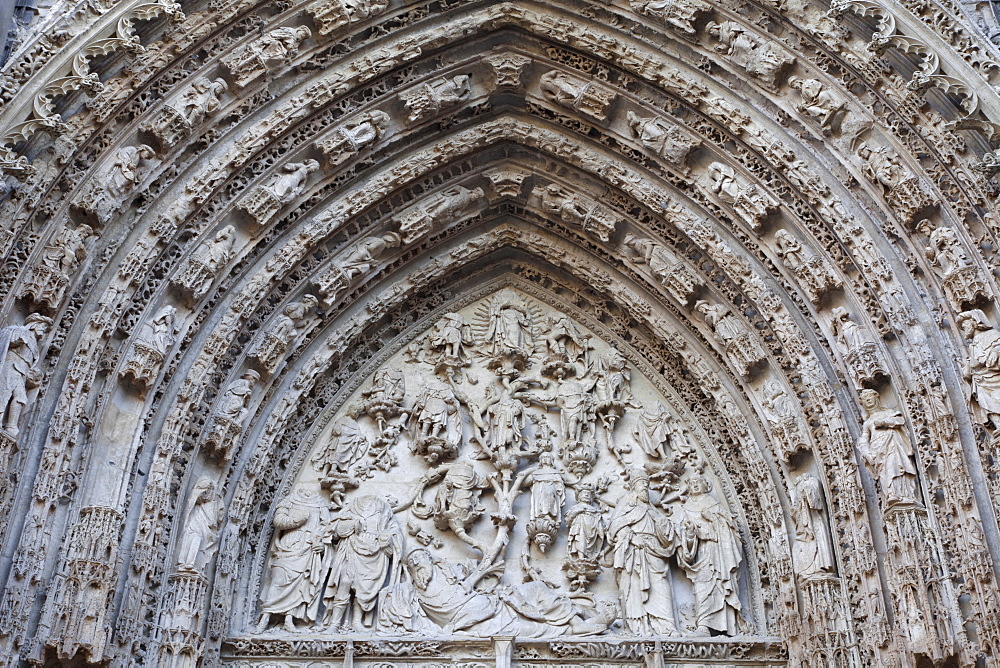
(342, 560)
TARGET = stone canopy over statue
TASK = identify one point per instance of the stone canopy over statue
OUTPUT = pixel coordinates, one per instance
(509, 473)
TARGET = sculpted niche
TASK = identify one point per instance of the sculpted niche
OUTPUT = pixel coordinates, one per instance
(507, 473)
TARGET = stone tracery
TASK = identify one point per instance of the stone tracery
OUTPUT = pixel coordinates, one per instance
(607, 154)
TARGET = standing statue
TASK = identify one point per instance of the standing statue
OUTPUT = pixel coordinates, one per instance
(576, 408)
(709, 551)
(19, 355)
(438, 424)
(367, 556)
(813, 548)
(564, 341)
(887, 451)
(585, 539)
(361, 259)
(655, 431)
(983, 368)
(642, 539)
(509, 331)
(548, 495)
(235, 402)
(201, 99)
(297, 557)
(207, 261)
(450, 335)
(203, 518)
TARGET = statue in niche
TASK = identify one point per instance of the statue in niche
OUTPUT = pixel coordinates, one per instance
(147, 354)
(456, 504)
(709, 552)
(351, 137)
(818, 101)
(589, 215)
(448, 597)
(680, 14)
(67, 249)
(201, 99)
(585, 538)
(203, 518)
(815, 274)
(20, 353)
(431, 98)
(231, 412)
(983, 367)
(291, 181)
(285, 329)
(664, 265)
(742, 346)
(275, 46)
(813, 549)
(860, 352)
(437, 424)
(124, 172)
(579, 94)
(368, 552)
(362, 258)
(297, 561)
(206, 262)
(566, 348)
(667, 140)
(509, 333)
(641, 540)
(887, 451)
(440, 210)
(548, 496)
(764, 60)
(964, 284)
(655, 432)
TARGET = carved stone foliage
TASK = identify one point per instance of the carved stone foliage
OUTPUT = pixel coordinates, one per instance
(484, 483)
(587, 97)
(507, 68)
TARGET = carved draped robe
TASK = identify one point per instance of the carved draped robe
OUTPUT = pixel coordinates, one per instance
(984, 354)
(296, 563)
(642, 544)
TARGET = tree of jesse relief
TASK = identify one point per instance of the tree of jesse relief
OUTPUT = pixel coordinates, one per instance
(506, 474)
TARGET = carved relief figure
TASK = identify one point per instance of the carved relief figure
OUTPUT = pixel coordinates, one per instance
(332, 14)
(569, 91)
(456, 504)
(206, 262)
(548, 496)
(710, 553)
(761, 59)
(887, 451)
(642, 539)
(591, 216)
(124, 171)
(283, 332)
(67, 249)
(351, 137)
(161, 330)
(276, 46)
(964, 283)
(665, 139)
(438, 211)
(813, 549)
(664, 265)
(860, 351)
(368, 552)
(296, 572)
(654, 431)
(509, 332)
(431, 98)
(450, 335)
(147, 353)
(235, 400)
(983, 367)
(19, 355)
(361, 259)
(291, 182)
(437, 423)
(680, 14)
(743, 347)
(816, 276)
(202, 520)
(201, 99)
(817, 100)
(586, 526)
(882, 166)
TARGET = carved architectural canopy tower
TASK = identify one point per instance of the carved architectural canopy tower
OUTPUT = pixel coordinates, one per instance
(476, 333)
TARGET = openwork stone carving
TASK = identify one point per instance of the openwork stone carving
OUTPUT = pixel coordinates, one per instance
(332, 14)
(507, 69)
(587, 97)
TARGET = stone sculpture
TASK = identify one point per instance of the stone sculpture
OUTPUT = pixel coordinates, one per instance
(887, 451)
(46, 282)
(264, 201)
(983, 368)
(149, 351)
(265, 53)
(900, 187)
(20, 353)
(816, 276)
(202, 520)
(440, 210)
(742, 346)
(748, 200)
(433, 97)
(229, 416)
(359, 261)
(206, 262)
(350, 138)
(760, 59)
(510, 336)
(677, 14)
(818, 102)
(332, 14)
(584, 96)
(666, 139)
(964, 283)
(665, 266)
(587, 214)
(813, 553)
(199, 101)
(280, 336)
(860, 351)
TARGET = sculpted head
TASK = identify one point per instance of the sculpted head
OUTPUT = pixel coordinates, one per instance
(421, 566)
(871, 400)
(973, 321)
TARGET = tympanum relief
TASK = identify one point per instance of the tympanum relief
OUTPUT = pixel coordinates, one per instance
(506, 473)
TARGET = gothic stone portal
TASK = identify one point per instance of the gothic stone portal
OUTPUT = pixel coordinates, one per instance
(507, 474)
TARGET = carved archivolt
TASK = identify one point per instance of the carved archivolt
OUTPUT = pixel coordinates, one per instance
(474, 334)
